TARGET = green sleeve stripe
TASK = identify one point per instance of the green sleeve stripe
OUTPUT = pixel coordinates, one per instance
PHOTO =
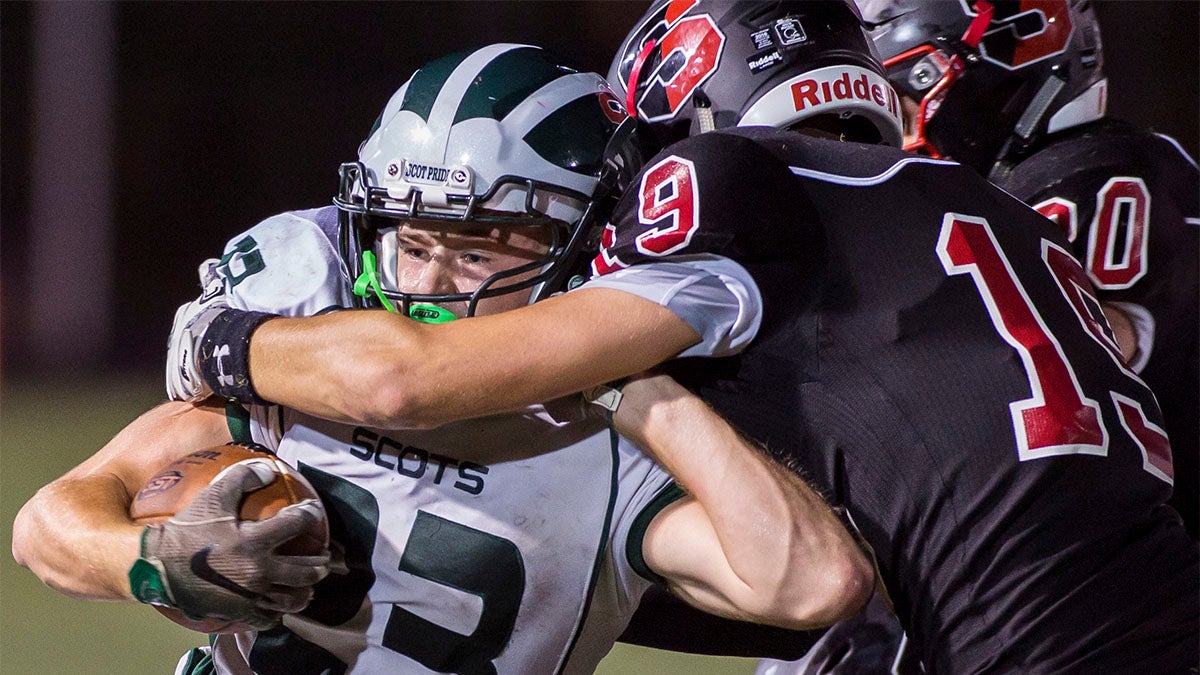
(637, 533)
(238, 419)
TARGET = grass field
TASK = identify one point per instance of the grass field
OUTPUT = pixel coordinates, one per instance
(48, 427)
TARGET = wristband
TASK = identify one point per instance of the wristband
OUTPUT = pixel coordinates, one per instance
(146, 580)
(225, 354)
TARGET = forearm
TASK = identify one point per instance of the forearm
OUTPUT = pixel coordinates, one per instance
(783, 555)
(387, 371)
(75, 534)
(1123, 330)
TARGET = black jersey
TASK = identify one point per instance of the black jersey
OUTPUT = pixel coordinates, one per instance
(1130, 203)
(933, 357)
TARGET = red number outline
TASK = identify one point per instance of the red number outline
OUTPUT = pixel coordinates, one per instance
(1059, 210)
(1150, 438)
(1057, 405)
(1101, 245)
(605, 262)
(1077, 289)
(682, 207)
(1051, 40)
(967, 245)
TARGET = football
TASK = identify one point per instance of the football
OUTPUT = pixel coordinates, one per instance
(173, 487)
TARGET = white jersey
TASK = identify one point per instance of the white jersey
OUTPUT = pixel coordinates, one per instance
(458, 564)
(453, 563)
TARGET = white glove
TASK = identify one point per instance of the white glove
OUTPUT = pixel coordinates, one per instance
(184, 381)
(209, 563)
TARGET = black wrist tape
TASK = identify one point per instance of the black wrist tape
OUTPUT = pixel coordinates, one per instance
(225, 354)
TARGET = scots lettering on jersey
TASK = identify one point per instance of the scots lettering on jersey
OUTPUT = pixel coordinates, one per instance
(414, 462)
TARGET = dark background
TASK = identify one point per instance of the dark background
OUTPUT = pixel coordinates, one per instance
(226, 113)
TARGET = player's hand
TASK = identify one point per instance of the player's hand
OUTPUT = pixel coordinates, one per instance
(184, 379)
(211, 564)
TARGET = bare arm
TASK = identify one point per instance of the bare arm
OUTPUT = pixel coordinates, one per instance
(75, 534)
(752, 540)
(1123, 330)
(389, 372)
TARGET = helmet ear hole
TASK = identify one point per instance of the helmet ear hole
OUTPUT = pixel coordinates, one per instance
(853, 128)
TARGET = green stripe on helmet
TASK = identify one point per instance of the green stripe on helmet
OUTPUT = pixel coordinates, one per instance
(427, 82)
(574, 136)
(509, 79)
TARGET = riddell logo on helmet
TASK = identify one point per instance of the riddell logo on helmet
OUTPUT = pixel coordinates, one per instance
(838, 90)
(817, 91)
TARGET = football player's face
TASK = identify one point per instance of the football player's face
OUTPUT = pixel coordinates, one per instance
(434, 261)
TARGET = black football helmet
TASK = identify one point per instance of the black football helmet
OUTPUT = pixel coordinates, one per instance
(991, 77)
(693, 65)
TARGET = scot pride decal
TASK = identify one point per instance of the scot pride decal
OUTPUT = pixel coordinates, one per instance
(689, 49)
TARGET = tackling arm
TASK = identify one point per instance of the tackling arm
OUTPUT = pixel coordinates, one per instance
(1123, 329)
(752, 540)
(75, 534)
(387, 371)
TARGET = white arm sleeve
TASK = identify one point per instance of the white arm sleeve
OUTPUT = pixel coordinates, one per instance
(716, 296)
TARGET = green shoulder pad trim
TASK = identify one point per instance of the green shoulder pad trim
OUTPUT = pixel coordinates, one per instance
(637, 532)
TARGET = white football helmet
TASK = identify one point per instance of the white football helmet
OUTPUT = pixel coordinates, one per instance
(505, 136)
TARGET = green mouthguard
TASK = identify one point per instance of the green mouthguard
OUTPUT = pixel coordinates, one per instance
(430, 314)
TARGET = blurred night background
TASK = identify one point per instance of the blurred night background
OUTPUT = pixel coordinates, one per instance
(139, 137)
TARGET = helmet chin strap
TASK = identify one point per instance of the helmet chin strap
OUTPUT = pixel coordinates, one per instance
(367, 285)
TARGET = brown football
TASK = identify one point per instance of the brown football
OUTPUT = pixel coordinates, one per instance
(175, 485)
